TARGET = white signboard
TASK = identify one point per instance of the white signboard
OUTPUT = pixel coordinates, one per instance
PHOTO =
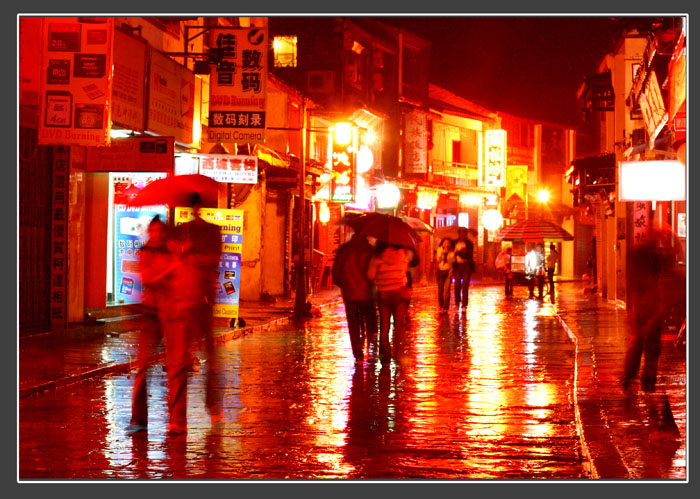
(227, 168)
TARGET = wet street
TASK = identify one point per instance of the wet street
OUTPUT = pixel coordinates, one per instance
(478, 395)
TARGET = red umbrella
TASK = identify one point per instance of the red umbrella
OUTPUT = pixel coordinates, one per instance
(392, 230)
(533, 231)
(359, 221)
(178, 191)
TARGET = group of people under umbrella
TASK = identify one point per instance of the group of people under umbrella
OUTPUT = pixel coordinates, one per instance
(372, 270)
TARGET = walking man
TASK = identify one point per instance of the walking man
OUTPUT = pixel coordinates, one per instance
(349, 273)
(463, 267)
(552, 260)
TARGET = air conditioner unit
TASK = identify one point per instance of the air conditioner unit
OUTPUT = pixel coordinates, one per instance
(320, 81)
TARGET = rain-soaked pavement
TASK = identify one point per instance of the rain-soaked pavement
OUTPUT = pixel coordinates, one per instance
(478, 395)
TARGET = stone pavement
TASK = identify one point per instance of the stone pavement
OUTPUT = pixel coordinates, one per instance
(624, 435)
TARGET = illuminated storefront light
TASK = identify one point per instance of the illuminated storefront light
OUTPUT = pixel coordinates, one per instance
(652, 181)
(492, 219)
(388, 196)
(494, 164)
(324, 214)
(365, 159)
(463, 220)
(543, 196)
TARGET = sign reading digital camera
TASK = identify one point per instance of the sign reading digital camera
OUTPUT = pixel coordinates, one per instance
(238, 84)
(493, 169)
(226, 168)
(343, 158)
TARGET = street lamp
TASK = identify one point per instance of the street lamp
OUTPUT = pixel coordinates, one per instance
(543, 196)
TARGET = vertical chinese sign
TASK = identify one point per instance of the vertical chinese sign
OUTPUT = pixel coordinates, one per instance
(59, 236)
(76, 80)
(343, 163)
(238, 86)
(493, 170)
(416, 143)
(641, 222)
(228, 280)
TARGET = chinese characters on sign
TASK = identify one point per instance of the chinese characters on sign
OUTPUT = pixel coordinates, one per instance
(416, 146)
(76, 81)
(516, 183)
(59, 236)
(494, 163)
(229, 168)
(640, 222)
(144, 154)
(128, 92)
(676, 88)
(651, 103)
(228, 280)
(343, 159)
(238, 83)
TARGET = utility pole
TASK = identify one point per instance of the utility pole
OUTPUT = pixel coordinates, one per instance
(300, 298)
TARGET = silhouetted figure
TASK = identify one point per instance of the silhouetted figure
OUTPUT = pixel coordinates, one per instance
(654, 287)
(552, 259)
(197, 248)
(463, 267)
(444, 258)
(508, 273)
(154, 266)
(349, 273)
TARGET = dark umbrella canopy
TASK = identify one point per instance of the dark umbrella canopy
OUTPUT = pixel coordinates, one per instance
(533, 231)
(391, 230)
(178, 191)
(359, 221)
(451, 232)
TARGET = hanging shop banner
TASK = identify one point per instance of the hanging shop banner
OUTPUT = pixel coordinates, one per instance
(677, 88)
(516, 182)
(493, 170)
(76, 80)
(59, 236)
(238, 85)
(228, 281)
(651, 102)
(134, 154)
(416, 143)
(131, 231)
(229, 169)
(128, 82)
(641, 222)
(171, 103)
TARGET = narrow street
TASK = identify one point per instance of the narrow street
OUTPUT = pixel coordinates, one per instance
(479, 395)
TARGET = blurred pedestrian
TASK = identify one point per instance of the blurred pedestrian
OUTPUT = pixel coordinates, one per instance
(197, 247)
(593, 266)
(552, 259)
(507, 272)
(387, 268)
(655, 286)
(500, 263)
(534, 268)
(154, 265)
(463, 267)
(349, 273)
(444, 258)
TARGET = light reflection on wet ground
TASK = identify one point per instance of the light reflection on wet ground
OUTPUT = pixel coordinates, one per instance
(476, 395)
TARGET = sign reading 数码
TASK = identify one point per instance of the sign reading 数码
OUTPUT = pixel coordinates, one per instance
(237, 86)
(76, 80)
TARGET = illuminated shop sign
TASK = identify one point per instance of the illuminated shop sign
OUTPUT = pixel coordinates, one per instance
(427, 200)
(343, 159)
(493, 170)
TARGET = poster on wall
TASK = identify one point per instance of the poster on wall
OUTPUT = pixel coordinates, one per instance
(128, 89)
(171, 103)
(131, 232)
(76, 80)
(228, 280)
(238, 85)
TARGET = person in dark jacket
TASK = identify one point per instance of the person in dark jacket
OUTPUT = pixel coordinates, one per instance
(349, 274)
(463, 267)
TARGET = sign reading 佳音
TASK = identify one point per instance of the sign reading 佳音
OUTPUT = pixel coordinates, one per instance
(238, 85)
